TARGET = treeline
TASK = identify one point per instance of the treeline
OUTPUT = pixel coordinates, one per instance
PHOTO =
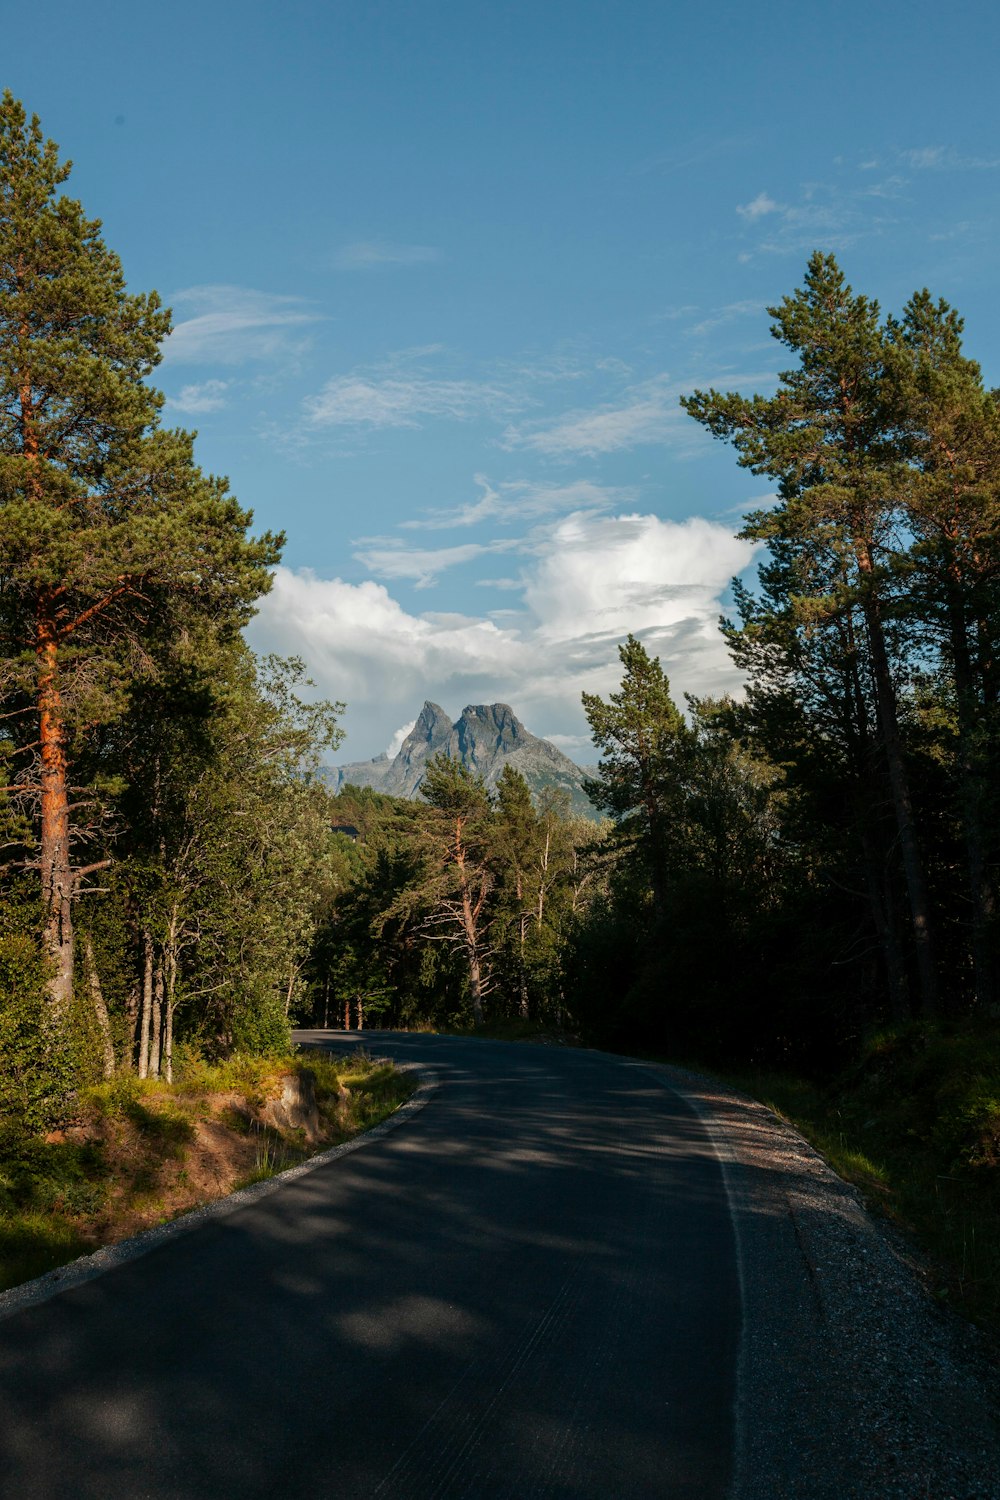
(454, 910)
(163, 850)
(783, 874)
(821, 858)
(775, 876)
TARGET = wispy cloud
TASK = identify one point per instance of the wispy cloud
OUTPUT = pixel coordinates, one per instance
(522, 500)
(371, 255)
(727, 314)
(233, 325)
(647, 414)
(361, 400)
(391, 557)
(193, 400)
(758, 207)
(946, 158)
(825, 214)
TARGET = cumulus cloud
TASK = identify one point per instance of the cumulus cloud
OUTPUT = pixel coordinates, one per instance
(396, 743)
(233, 325)
(588, 581)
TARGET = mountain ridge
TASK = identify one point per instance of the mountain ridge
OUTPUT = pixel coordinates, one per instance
(485, 737)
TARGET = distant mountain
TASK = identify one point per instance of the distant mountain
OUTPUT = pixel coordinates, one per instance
(485, 738)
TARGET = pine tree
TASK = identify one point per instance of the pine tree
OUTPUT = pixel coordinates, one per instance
(831, 439)
(105, 522)
(642, 738)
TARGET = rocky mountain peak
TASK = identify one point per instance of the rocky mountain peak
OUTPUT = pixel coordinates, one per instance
(485, 737)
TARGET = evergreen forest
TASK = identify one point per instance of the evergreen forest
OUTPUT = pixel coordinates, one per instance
(777, 879)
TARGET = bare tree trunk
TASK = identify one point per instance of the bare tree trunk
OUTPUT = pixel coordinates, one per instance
(522, 923)
(170, 1005)
(132, 1023)
(146, 1019)
(359, 1001)
(168, 1043)
(100, 1009)
(347, 1015)
(156, 1037)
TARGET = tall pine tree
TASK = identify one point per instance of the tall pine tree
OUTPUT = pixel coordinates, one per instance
(105, 521)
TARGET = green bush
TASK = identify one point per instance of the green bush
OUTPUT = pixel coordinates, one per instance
(37, 1065)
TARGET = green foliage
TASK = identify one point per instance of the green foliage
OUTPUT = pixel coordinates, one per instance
(915, 1122)
(37, 1066)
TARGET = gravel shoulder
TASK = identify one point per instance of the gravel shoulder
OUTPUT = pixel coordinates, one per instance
(853, 1383)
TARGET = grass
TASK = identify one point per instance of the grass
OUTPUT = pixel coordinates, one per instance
(915, 1125)
(135, 1153)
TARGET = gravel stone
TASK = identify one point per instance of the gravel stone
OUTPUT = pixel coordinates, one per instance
(854, 1384)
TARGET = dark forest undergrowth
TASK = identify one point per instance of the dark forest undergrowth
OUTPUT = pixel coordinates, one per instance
(914, 1124)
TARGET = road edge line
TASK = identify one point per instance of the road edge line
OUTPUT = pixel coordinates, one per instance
(109, 1257)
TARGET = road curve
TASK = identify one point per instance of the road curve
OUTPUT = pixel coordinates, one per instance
(531, 1289)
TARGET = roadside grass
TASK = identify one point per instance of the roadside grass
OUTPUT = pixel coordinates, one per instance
(915, 1125)
(140, 1152)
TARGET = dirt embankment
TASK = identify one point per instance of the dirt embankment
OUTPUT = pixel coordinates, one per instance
(140, 1153)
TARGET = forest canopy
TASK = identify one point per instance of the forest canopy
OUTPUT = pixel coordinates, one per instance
(775, 875)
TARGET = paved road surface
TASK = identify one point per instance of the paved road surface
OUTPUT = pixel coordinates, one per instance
(529, 1289)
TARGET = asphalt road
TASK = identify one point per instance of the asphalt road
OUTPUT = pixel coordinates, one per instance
(529, 1289)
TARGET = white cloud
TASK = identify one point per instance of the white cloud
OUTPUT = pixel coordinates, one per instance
(369, 255)
(388, 557)
(398, 401)
(522, 500)
(233, 325)
(945, 158)
(589, 581)
(210, 395)
(647, 414)
(758, 207)
(728, 314)
(396, 743)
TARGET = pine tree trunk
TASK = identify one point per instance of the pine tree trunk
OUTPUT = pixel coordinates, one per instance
(476, 986)
(56, 871)
(361, 1012)
(347, 1015)
(909, 848)
(100, 1009)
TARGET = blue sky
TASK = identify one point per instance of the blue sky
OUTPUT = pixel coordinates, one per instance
(440, 271)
